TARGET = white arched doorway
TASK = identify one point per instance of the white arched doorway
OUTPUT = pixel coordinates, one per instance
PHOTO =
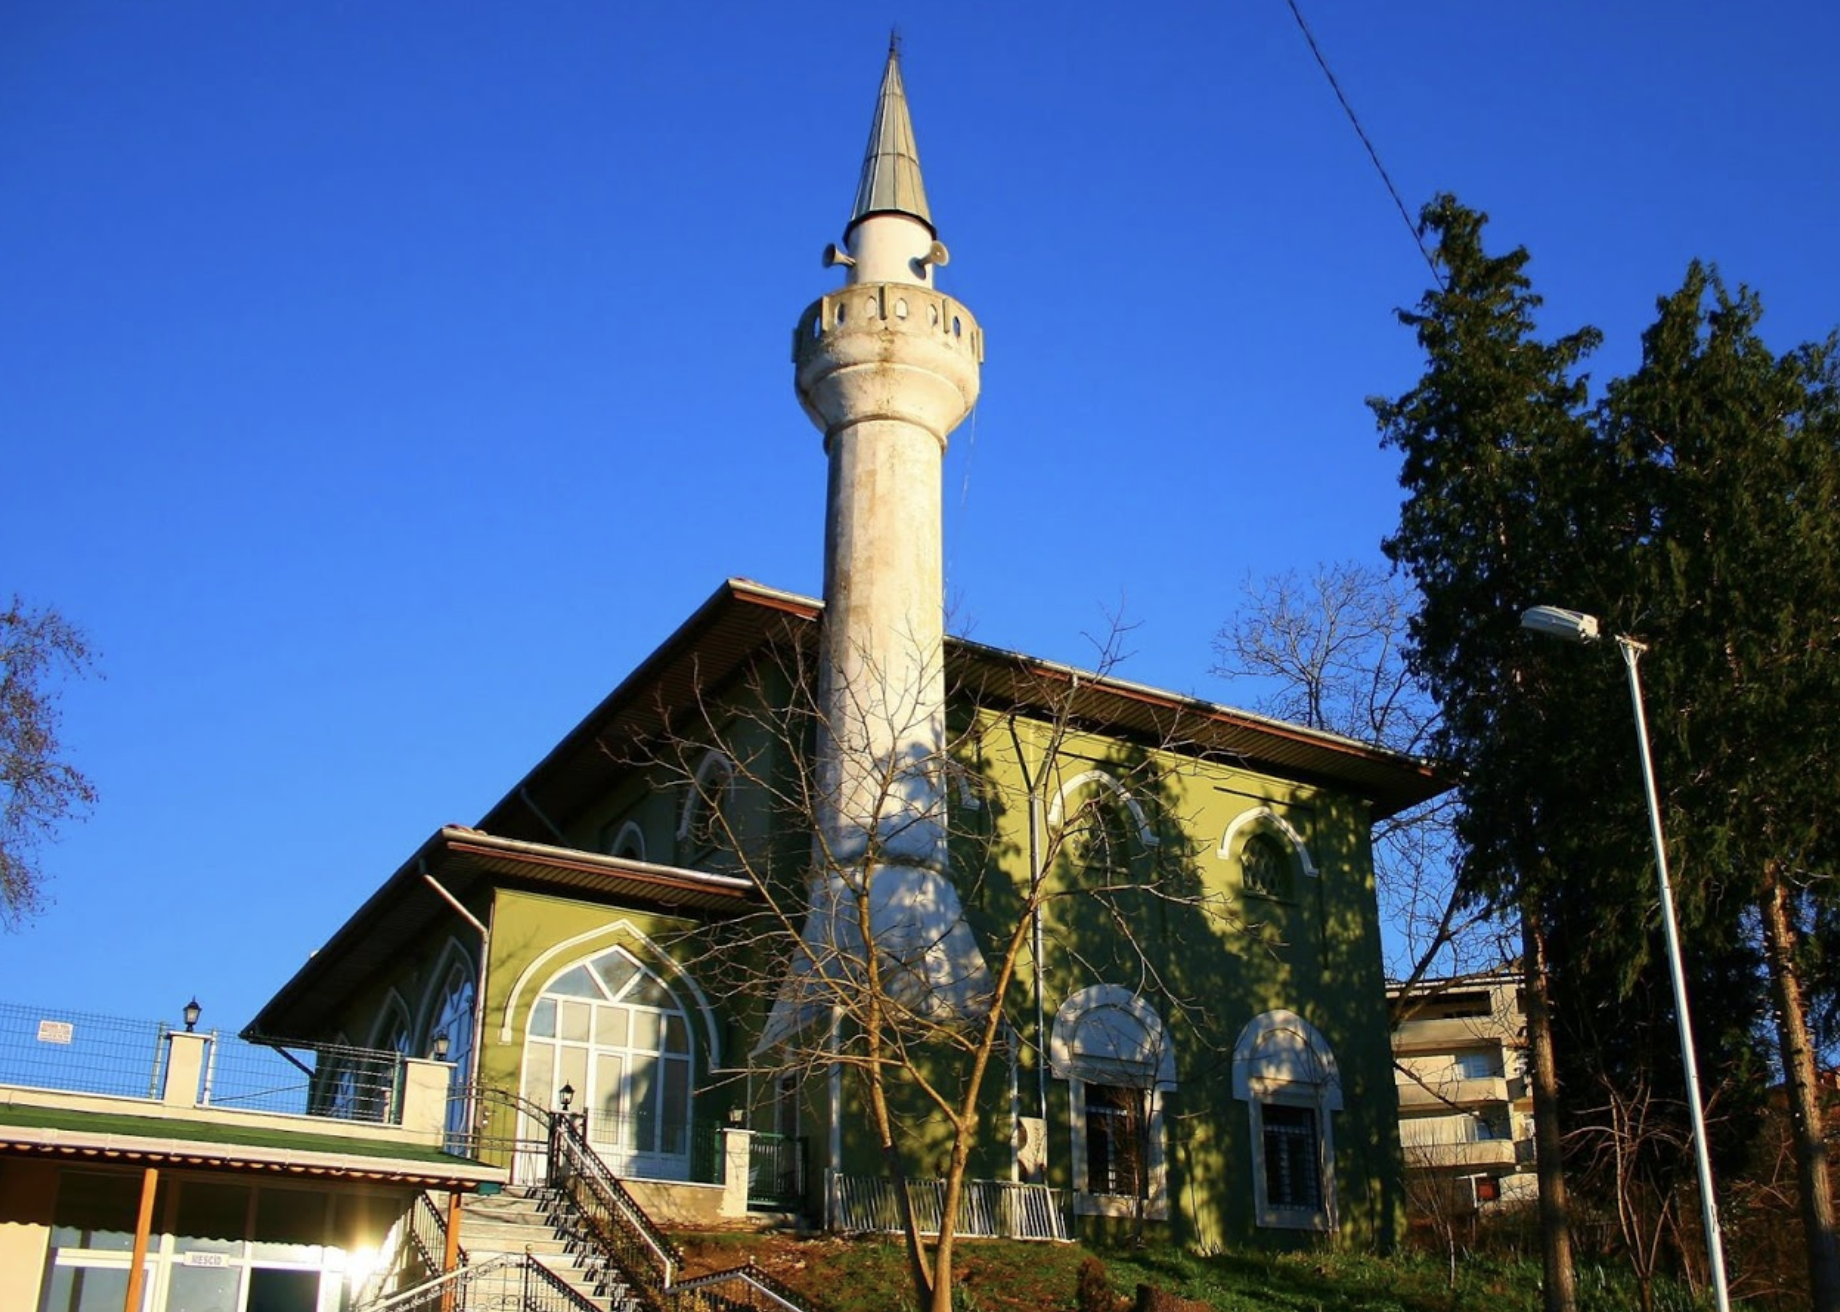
(619, 1038)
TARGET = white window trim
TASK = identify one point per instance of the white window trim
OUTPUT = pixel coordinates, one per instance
(1265, 819)
(1260, 1083)
(629, 829)
(1058, 808)
(1065, 1063)
(713, 764)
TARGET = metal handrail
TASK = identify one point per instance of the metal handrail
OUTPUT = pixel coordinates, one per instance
(759, 1282)
(454, 1288)
(603, 1204)
(454, 1278)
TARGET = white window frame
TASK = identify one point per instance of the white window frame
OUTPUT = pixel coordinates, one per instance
(1281, 1060)
(1107, 1035)
(711, 790)
(1264, 820)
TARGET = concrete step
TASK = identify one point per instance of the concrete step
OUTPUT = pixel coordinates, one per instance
(520, 1220)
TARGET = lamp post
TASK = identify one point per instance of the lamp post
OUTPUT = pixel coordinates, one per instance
(1575, 626)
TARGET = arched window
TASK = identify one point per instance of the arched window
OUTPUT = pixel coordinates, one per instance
(1270, 853)
(450, 1016)
(617, 1036)
(628, 842)
(708, 815)
(1285, 1073)
(1101, 827)
(1265, 866)
(1111, 1048)
(392, 1031)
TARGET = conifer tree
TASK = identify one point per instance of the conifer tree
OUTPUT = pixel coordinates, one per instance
(1698, 508)
(1739, 455)
(1490, 440)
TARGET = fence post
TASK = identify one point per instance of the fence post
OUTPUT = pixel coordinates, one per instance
(424, 1100)
(737, 1161)
(184, 1068)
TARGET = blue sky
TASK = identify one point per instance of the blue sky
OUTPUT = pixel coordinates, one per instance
(379, 383)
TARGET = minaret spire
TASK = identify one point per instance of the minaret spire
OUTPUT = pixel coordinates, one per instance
(886, 367)
(890, 182)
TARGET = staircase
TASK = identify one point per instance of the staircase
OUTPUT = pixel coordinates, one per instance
(527, 1219)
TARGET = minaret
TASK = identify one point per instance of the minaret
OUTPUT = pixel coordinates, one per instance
(886, 368)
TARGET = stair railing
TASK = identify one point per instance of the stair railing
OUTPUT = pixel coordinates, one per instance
(505, 1281)
(614, 1220)
(737, 1288)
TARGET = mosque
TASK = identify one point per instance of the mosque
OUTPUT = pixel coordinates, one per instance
(803, 823)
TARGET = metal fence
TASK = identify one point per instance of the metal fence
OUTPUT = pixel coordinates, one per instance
(75, 1052)
(51, 1048)
(987, 1209)
(776, 1172)
(300, 1079)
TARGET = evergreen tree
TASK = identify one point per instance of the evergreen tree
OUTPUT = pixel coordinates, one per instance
(1698, 508)
(1739, 451)
(1492, 441)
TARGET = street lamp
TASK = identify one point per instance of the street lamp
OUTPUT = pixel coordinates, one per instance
(1576, 626)
(192, 1012)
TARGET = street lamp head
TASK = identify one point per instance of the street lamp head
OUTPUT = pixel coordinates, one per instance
(1554, 622)
(192, 1012)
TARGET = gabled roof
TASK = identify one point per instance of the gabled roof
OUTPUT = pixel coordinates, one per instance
(739, 622)
(395, 918)
(743, 617)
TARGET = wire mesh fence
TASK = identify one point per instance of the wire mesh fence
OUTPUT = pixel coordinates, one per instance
(322, 1079)
(53, 1048)
(76, 1052)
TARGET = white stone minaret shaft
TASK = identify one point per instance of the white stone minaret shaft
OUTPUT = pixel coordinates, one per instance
(886, 367)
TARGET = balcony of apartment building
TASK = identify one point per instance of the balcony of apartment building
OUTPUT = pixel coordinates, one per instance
(1466, 1152)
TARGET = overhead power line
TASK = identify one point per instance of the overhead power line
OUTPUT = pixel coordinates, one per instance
(1322, 63)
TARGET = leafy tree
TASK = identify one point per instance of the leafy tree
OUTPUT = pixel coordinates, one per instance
(1738, 450)
(37, 648)
(1694, 507)
(1491, 440)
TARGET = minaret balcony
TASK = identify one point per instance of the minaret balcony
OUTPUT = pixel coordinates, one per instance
(888, 350)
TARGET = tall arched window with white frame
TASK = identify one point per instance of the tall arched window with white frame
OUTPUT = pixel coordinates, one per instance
(706, 827)
(1285, 1073)
(618, 1037)
(1111, 1048)
(450, 1017)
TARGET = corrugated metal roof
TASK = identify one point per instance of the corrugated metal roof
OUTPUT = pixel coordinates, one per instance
(890, 182)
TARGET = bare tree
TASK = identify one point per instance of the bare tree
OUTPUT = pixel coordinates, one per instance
(38, 648)
(1330, 652)
(1629, 1150)
(916, 980)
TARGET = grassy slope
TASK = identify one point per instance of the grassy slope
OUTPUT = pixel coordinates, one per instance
(843, 1275)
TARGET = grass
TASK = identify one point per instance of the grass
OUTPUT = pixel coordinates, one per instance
(864, 1275)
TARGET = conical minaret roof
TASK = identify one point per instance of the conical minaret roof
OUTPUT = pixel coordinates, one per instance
(890, 182)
